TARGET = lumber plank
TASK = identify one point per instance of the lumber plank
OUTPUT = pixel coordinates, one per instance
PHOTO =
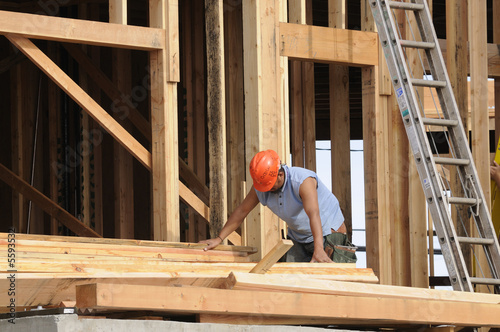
(329, 45)
(101, 296)
(82, 98)
(272, 257)
(45, 203)
(216, 114)
(81, 31)
(301, 284)
(49, 291)
(165, 170)
(45, 240)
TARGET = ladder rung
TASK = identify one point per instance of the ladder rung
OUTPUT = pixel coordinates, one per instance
(474, 240)
(463, 200)
(440, 122)
(485, 281)
(428, 83)
(451, 161)
(405, 5)
(417, 44)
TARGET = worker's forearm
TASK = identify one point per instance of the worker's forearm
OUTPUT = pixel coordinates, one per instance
(317, 232)
(232, 224)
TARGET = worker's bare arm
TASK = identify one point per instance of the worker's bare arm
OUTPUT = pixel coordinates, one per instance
(235, 219)
(309, 194)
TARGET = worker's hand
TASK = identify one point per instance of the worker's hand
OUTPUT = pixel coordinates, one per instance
(320, 256)
(211, 243)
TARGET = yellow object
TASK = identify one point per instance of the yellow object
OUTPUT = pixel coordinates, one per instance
(495, 197)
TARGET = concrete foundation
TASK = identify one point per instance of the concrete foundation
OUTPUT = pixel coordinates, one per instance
(71, 323)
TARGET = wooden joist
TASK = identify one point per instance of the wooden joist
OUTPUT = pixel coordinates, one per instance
(301, 284)
(81, 31)
(377, 310)
(321, 44)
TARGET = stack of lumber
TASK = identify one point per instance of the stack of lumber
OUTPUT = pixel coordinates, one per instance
(106, 276)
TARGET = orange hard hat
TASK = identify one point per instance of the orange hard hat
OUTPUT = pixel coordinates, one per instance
(264, 169)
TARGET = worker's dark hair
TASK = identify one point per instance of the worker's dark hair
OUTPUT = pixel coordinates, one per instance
(281, 170)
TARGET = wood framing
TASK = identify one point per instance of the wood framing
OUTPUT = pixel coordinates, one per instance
(308, 306)
(81, 31)
(321, 44)
(45, 203)
(164, 74)
(340, 133)
(216, 114)
(263, 127)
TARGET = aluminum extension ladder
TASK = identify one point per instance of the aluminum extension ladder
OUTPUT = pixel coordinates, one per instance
(437, 197)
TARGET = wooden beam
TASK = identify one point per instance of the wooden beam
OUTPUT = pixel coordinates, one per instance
(321, 44)
(121, 105)
(272, 257)
(46, 240)
(165, 171)
(118, 11)
(81, 31)
(301, 284)
(479, 109)
(82, 98)
(457, 59)
(123, 163)
(496, 40)
(45, 203)
(233, 48)
(263, 105)
(340, 133)
(216, 114)
(222, 301)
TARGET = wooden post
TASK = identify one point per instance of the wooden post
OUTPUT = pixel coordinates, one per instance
(297, 15)
(164, 77)
(375, 143)
(479, 106)
(123, 163)
(262, 105)
(235, 104)
(340, 133)
(308, 104)
(457, 65)
(216, 109)
(496, 40)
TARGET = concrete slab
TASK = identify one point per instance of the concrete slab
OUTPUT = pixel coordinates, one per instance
(71, 323)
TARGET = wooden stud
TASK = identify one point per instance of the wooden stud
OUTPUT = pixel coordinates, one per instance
(496, 40)
(235, 104)
(81, 31)
(272, 257)
(479, 107)
(321, 44)
(398, 153)
(262, 105)
(457, 65)
(297, 15)
(123, 163)
(82, 98)
(164, 127)
(308, 103)
(216, 114)
(340, 133)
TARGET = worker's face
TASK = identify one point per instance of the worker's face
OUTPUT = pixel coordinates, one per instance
(279, 182)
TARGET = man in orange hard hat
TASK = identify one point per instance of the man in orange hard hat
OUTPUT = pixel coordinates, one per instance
(296, 195)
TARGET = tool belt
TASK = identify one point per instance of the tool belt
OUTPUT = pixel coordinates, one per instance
(339, 248)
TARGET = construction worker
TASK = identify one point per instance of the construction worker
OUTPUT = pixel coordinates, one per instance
(296, 195)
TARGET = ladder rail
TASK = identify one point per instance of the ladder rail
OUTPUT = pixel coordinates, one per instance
(457, 133)
(414, 128)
